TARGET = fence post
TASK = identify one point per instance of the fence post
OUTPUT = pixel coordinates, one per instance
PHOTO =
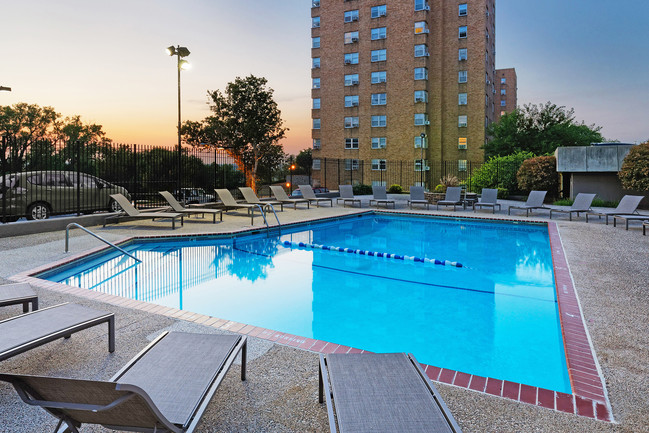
(135, 189)
(78, 152)
(3, 187)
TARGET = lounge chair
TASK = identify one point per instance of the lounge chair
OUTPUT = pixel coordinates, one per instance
(627, 206)
(280, 195)
(453, 197)
(250, 197)
(489, 198)
(131, 212)
(379, 195)
(627, 218)
(164, 388)
(417, 196)
(177, 207)
(230, 203)
(18, 293)
(21, 333)
(347, 195)
(381, 392)
(581, 204)
(534, 201)
(644, 228)
(307, 193)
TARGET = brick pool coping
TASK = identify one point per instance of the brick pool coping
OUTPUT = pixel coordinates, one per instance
(589, 398)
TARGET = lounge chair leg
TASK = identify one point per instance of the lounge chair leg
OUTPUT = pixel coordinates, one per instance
(111, 334)
(320, 386)
(244, 357)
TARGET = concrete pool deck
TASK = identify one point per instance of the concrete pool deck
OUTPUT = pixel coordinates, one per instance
(609, 269)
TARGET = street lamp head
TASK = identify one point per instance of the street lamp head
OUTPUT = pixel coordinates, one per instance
(184, 65)
(171, 50)
(293, 167)
(182, 51)
(422, 135)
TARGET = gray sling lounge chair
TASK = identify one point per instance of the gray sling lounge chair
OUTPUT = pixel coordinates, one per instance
(381, 393)
(18, 293)
(627, 206)
(280, 195)
(250, 197)
(417, 196)
(231, 204)
(489, 198)
(534, 201)
(580, 205)
(177, 207)
(165, 388)
(453, 197)
(131, 212)
(628, 218)
(22, 333)
(307, 193)
(379, 195)
(347, 195)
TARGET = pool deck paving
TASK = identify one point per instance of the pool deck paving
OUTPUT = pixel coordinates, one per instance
(602, 275)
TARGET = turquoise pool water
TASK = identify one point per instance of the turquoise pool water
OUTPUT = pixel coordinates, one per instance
(496, 316)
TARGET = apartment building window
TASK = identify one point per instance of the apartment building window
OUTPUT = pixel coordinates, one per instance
(351, 16)
(462, 76)
(316, 83)
(351, 80)
(419, 141)
(316, 123)
(421, 27)
(461, 121)
(421, 119)
(351, 58)
(351, 37)
(316, 143)
(421, 50)
(503, 81)
(421, 96)
(379, 11)
(315, 164)
(351, 143)
(503, 103)
(351, 164)
(379, 121)
(462, 10)
(316, 103)
(378, 33)
(461, 165)
(315, 64)
(379, 142)
(462, 99)
(462, 54)
(461, 32)
(421, 5)
(461, 143)
(315, 3)
(351, 122)
(421, 73)
(379, 77)
(315, 42)
(421, 165)
(351, 101)
(503, 91)
(379, 55)
(315, 22)
(379, 98)
(378, 164)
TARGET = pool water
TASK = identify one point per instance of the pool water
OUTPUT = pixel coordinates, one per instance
(496, 316)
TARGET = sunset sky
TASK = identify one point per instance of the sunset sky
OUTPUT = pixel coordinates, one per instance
(106, 62)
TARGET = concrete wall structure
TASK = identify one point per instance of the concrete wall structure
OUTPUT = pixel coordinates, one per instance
(506, 91)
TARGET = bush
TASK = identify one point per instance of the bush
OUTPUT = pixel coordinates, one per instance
(503, 193)
(598, 202)
(498, 172)
(449, 180)
(395, 189)
(635, 168)
(440, 188)
(362, 189)
(540, 174)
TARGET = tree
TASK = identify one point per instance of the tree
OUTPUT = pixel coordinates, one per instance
(539, 173)
(246, 122)
(304, 162)
(539, 129)
(635, 168)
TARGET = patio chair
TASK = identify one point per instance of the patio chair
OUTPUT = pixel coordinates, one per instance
(165, 388)
(307, 193)
(131, 212)
(534, 201)
(347, 195)
(280, 194)
(22, 333)
(488, 198)
(453, 197)
(417, 196)
(177, 207)
(628, 218)
(250, 197)
(379, 195)
(581, 204)
(627, 206)
(18, 293)
(231, 204)
(381, 392)
(644, 228)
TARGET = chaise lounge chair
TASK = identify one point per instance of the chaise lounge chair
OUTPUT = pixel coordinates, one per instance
(347, 195)
(307, 193)
(453, 197)
(627, 206)
(379, 195)
(250, 197)
(280, 195)
(534, 201)
(22, 333)
(489, 198)
(644, 228)
(381, 392)
(131, 212)
(18, 293)
(231, 204)
(165, 388)
(177, 207)
(417, 196)
(628, 218)
(581, 204)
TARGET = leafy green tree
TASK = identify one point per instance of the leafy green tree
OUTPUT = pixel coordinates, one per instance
(539, 129)
(540, 174)
(499, 172)
(304, 162)
(635, 168)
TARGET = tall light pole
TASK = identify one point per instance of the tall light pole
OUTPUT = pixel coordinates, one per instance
(8, 89)
(421, 160)
(179, 52)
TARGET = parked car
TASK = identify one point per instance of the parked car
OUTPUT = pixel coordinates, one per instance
(193, 196)
(40, 194)
(316, 190)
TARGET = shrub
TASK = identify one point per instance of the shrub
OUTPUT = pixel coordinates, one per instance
(539, 173)
(362, 189)
(395, 189)
(635, 168)
(440, 188)
(503, 193)
(498, 172)
(449, 180)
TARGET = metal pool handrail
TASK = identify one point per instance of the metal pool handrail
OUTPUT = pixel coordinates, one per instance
(67, 240)
(263, 215)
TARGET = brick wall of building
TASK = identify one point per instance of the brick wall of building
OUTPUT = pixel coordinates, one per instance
(506, 90)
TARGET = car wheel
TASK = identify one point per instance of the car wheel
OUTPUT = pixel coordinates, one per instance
(38, 211)
(113, 206)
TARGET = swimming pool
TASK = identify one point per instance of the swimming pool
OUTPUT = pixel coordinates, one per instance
(496, 316)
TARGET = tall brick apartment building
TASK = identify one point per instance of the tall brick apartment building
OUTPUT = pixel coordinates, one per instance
(506, 91)
(385, 72)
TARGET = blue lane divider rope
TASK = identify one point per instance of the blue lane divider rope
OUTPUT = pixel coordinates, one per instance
(372, 253)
